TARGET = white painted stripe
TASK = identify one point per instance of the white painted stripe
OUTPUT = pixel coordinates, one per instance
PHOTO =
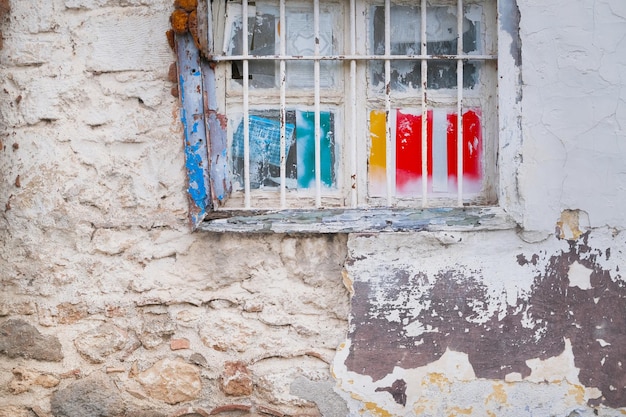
(440, 150)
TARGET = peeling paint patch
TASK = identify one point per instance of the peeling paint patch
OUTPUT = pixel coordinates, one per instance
(571, 316)
(397, 391)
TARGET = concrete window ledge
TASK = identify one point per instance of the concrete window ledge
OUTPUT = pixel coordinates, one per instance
(361, 220)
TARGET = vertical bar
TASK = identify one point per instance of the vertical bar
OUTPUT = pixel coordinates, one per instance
(246, 109)
(459, 103)
(389, 139)
(317, 124)
(424, 161)
(353, 126)
(282, 27)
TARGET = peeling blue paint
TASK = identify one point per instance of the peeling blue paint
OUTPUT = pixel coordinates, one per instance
(196, 152)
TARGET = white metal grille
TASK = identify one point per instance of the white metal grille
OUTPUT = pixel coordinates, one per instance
(351, 159)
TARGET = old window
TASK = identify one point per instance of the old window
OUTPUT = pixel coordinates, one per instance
(334, 104)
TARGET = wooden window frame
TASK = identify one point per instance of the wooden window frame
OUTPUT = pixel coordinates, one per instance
(204, 127)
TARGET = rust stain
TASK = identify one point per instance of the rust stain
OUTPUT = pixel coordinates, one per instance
(498, 395)
(375, 409)
(419, 408)
(457, 411)
(438, 379)
(501, 343)
(568, 227)
(577, 392)
(180, 21)
(187, 5)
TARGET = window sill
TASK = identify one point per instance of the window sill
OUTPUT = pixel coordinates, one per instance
(363, 220)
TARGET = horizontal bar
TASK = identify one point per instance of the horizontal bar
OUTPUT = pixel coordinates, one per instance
(220, 58)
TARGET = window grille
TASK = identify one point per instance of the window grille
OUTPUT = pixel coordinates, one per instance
(356, 104)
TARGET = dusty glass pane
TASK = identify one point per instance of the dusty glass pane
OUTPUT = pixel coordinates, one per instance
(442, 39)
(301, 42)
(264, 40)
(264, 142)
(261, 41)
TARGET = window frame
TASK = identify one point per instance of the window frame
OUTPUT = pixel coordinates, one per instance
(202, 123)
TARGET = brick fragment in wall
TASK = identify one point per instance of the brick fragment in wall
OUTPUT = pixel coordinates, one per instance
(172, 381)
(178, 344)
(236, 379)
(96, 344)
(20, 339)
(92, 396)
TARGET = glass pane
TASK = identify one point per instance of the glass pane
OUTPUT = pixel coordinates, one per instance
(301, 42)
(441, 159)
(261, 41)
(264, 38)
(442, 39)
(264, 127)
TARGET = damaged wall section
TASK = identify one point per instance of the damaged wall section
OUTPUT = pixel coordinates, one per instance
(507, 307)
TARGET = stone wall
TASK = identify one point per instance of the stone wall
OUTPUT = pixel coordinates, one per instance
(111, 306)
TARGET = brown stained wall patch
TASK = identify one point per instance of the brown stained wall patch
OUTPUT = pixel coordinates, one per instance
(592, 319)
(397, 391)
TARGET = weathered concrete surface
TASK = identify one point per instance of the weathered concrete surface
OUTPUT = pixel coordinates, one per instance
(451, 310)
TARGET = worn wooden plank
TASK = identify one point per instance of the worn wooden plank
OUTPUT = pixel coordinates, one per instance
(192, 118)
(363, 220)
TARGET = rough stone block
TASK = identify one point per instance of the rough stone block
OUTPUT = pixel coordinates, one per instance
(96, 344)
(95, 396)
(20, 339)
(24, 379)
(172, 381)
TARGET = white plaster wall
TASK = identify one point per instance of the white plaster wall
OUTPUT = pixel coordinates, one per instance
(574, 110)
